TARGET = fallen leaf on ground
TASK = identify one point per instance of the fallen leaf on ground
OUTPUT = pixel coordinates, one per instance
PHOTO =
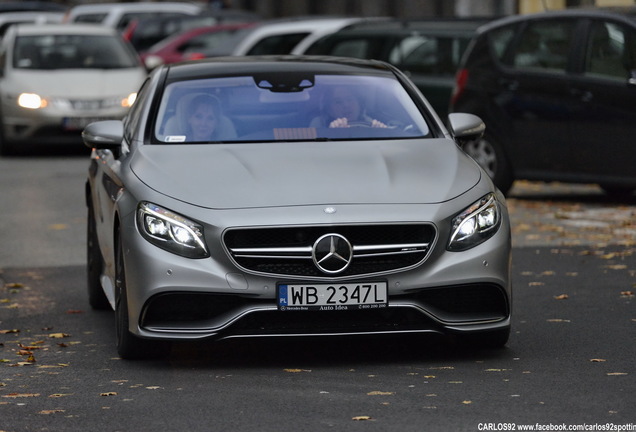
(108, 394)
(296, 370)
(561, 297)
(58, 226)
(59, 335)
(29, 347)
(597, 360)
(361, 418)
(616, 267)
(617, 373)
(53, 411)
(21, 395)
(380, 393)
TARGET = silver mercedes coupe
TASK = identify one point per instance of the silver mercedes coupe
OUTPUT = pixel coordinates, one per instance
(292, 196)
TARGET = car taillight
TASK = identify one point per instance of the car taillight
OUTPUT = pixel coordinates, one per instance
(460, 83)
(129, 30)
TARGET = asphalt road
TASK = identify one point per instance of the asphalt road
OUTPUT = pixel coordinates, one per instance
(570, 360)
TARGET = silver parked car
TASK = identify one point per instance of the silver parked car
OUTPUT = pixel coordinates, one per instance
(292, 196)
(56, 78)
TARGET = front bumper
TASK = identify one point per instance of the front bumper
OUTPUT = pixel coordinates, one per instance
(176, 298)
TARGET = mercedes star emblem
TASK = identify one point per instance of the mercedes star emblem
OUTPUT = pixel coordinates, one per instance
(332, 253)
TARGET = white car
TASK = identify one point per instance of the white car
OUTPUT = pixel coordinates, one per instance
(119, 15)
(284, 36)
(39, 17)
(57, 78)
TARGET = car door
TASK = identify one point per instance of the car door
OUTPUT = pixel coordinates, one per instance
(534, 95)
(604, 118)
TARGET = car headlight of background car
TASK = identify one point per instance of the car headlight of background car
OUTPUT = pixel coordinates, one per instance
(31, 101)
(475, 224)
(171, 231)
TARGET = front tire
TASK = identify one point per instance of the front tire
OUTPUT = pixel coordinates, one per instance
(94, 265)
(129, 346)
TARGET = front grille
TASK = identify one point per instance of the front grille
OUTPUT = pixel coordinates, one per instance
(288, 251)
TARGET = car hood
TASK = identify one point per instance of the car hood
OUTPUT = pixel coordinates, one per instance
(295, 174)
(76, 83)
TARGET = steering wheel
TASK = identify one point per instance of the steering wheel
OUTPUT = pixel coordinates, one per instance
(359, 123)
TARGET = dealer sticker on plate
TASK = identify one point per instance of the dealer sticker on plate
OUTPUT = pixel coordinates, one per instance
(338, 296)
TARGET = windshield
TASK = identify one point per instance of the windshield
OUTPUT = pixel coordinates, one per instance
(71, 52)
(287, 107)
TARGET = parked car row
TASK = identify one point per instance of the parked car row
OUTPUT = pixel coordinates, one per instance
(554, 89)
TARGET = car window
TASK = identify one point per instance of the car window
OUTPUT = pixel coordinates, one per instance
(72, 51)
(354, 48)
(499, 41)
(205, 41)
(135, 114)
(94, 18)
(288, 107)
(127, 18)
(279, 44)
(611, 51)
(544, 45)
(429, 54)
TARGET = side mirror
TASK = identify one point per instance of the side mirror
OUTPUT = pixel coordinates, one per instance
(107, 134)
(466, 127)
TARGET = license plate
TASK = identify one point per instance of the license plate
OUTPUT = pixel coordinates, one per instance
(337, 296)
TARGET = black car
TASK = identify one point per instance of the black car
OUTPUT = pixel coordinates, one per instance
(557, 92)
(428, 51)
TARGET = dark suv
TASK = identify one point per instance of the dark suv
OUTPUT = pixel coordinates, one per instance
(428, 51)
(557, 92)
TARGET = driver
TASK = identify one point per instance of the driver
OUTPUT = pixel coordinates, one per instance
(343, 108)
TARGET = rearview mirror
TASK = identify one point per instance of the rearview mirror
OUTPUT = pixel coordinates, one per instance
(107, 134)
(466, 127)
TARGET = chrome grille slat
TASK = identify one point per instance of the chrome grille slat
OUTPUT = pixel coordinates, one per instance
(288, 251)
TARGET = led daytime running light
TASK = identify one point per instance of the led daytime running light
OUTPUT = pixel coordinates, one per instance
(171, 231)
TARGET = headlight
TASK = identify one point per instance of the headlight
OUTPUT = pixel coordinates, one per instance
(171, 231)
(476, 224)
(129, 100)
(31, 101)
